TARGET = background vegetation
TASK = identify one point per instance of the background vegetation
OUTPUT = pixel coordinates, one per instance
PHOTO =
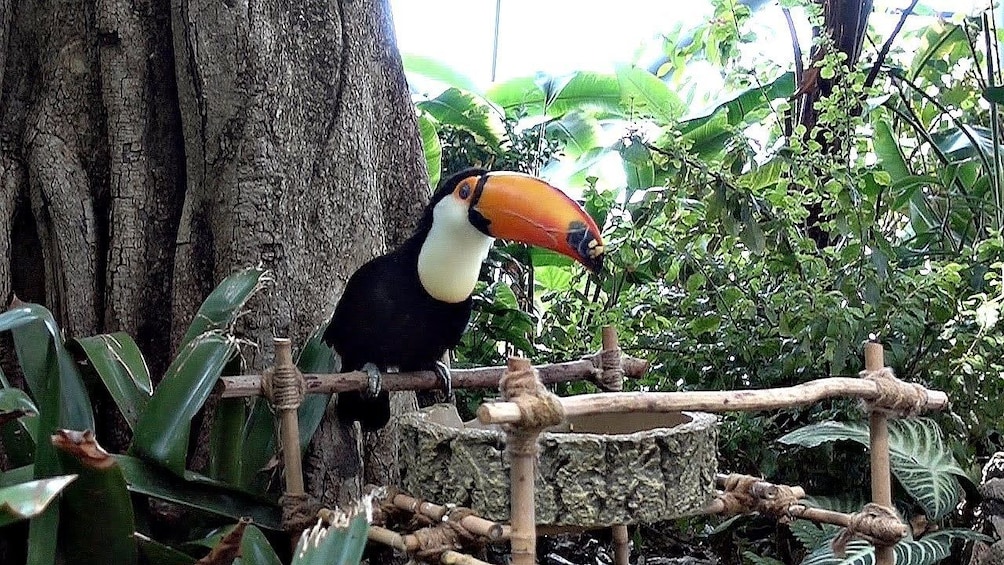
(753, 248)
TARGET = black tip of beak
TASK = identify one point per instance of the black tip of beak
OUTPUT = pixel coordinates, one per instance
(587, 245)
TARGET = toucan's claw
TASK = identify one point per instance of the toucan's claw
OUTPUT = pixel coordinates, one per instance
(373, 382)
(445, 379)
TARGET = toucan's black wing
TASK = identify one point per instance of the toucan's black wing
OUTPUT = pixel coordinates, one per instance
(386, 317)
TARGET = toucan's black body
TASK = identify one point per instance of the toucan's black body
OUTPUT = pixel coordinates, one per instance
(386, 317)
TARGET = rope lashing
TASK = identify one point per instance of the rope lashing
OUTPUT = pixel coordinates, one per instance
(538, 407)
(895, 397)
(745, 494)
(611, 378)
(737, 496)
(879, 525)
(283, 387)
(299, 512)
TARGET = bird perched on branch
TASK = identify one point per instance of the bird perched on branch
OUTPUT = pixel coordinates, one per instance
(405, 309)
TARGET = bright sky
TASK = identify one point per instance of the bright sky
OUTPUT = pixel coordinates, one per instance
(559, 36)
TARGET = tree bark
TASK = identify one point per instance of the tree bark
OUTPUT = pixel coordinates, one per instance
(149, 149)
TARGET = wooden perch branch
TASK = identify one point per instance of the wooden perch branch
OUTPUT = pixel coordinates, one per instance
(707, 401)
(588, 368)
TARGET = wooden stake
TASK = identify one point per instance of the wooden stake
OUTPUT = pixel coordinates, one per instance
(878, 431)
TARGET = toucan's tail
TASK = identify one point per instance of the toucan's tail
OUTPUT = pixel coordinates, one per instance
(372, 413)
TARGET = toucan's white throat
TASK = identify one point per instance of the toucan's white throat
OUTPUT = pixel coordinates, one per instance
(451, 256)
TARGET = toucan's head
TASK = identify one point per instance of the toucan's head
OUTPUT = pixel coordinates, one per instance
(519, 207)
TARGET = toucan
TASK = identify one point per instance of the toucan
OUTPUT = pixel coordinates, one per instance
(403, 310)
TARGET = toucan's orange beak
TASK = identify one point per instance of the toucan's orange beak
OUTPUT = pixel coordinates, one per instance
(523, 208)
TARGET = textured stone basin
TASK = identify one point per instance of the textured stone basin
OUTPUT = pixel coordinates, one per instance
(601, 470)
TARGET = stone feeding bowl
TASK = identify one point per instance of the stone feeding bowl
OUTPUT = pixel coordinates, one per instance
(593, 471)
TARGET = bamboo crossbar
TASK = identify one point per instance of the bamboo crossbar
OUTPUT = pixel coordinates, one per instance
(244, 386)
(477, 525)
(707, 401)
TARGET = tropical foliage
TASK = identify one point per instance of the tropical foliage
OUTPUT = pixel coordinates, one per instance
(112, 489)
(751, 250)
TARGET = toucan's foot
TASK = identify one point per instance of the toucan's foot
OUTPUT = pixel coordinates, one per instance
(445, 379)
(374, 381)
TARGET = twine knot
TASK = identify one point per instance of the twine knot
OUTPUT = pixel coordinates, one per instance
(299, 512)
(611, 378)
(879, 525)
(538, 407)
(283, 387)
(737, 496)
(895, 397)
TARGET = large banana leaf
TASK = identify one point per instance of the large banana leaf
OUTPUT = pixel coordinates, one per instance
(121, 367)
(162, 433)
(556, 96)
(643, 93)
(27, 500)
(464, 110)
(921, 460)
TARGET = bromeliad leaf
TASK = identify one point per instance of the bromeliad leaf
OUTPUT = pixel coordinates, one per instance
(221, 307)
(161, 433)
(121, 367)
(342, 541)
(27, 500)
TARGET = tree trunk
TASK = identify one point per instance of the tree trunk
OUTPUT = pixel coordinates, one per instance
(149, 149)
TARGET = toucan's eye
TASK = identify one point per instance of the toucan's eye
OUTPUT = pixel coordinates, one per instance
(464, 192)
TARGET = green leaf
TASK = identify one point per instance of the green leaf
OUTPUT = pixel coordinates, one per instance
(14, 403)
(198, 492)
(642, 92)
(436, 70)
(743, 108)
(994, 94)
(343, 545)
(99, 479)
(431, 148)
(920, 458)
(887, 150)
(27, 500)
(120, 365)
(163, 429)
(463, 110)
(155, 553)
(928, 550)
(582, 90)
(706, 324)
(579, 131)
(226, 445)
(221, 307)
(47, 366)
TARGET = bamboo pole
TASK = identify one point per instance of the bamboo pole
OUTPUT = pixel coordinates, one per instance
(622, 544)
(878, 431)
(522, 448)
(474, 524)
(244, 386)
(707, 401)
(611, 350)
(289, 427)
